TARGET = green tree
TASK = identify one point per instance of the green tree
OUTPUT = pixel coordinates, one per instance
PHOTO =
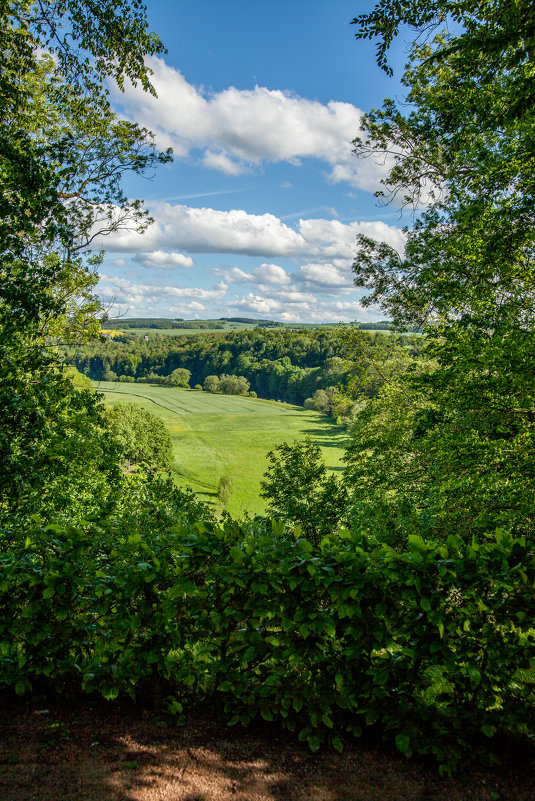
(319, 402)
(463, 154)
(233, 385)
(299, 491)
(224, 490)
(62, 153)
(211, 383)
(178, 378)
(141, 436)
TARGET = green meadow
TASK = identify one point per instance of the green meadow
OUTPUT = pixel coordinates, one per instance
(226, 435)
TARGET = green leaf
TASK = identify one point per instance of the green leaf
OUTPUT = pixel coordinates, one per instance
(236, 554)
(337, 744)
(49, 592)
(403, 744)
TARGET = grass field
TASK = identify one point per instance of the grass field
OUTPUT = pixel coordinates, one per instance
(226, 327)
(225, 435)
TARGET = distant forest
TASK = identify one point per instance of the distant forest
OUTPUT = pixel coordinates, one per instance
(281, 364)
(164, 324)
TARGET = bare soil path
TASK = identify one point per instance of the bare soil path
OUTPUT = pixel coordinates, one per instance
(90, 752)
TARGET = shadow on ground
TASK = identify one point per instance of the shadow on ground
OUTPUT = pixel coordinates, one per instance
(93, 752)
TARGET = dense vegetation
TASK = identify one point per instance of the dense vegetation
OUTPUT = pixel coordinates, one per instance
(282, 364)
(217, 437)
(415, 616)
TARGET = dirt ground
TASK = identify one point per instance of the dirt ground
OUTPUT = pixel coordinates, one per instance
(87, 751)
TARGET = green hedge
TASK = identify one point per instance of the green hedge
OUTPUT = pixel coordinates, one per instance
(433, 647)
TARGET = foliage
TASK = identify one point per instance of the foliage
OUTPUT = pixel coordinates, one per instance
(178, 378)
(433, 647)
(224, 490)
(282, 364)
(211, 433)
(62, 153)
(299, 491)
(460, 151)
(211, 383)
(141, 436)
(319, 402)
(233, 385)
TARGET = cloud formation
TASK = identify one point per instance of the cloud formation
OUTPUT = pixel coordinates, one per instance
(179, 228)
(165, 300)
(163, 260)
(236, 130)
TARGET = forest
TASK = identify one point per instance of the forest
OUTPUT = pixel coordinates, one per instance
(282, 364)
(396, 598)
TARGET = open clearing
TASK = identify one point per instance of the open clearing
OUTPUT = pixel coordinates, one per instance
(226, 435)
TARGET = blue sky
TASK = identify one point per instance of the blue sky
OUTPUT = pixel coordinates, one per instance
(258, 214)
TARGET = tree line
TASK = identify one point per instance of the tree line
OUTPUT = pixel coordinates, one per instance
(283, 364)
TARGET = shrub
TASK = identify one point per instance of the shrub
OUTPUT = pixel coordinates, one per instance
(433, 646)
(224, 489)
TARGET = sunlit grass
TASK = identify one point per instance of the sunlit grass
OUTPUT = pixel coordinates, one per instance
(224, 435)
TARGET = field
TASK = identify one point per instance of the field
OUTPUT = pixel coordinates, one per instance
(224, 435)
(224, 328)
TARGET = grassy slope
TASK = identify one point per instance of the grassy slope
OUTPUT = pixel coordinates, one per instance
(216, 435)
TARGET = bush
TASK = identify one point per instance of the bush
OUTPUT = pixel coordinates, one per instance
(178, 378)
(319, 401)
(433, 646)
(211, 383)
(224, 489)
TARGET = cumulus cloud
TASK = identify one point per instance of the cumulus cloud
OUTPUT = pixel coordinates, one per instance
(325, 277)
(143, 299)
(276, 302)
(164, 260)
(236, 129)
(206, 230)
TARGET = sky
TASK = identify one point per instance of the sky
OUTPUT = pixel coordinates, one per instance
(259, 212)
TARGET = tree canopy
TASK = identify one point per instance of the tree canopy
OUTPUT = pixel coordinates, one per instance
(461, 150)
(62, 155)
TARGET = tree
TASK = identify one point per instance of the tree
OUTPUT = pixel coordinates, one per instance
(463, 154)
(62, 153)
(178, 378)
(298, 489)
(319, 402)
(141, 437)
(233, 385)
(224, 490)
(211, 383)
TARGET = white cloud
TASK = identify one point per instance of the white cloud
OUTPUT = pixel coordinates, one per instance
(325, 277)
(280, 303)
(239, 128)
(271, 274)
(162, 259)
(222, 163)
(206, 230)
(140, 299)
